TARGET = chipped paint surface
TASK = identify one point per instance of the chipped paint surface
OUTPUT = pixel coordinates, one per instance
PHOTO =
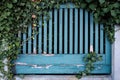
(33, 65)
(46, 67)
(79, 65)
(20, 63)
(48, 54)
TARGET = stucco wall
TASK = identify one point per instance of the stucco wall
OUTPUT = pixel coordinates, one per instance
(116, 55)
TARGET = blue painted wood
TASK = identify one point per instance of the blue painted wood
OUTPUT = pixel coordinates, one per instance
(50, 32)
(86, 32)
(91, 29)
(59, 64)
(34, 43)
(60, 30)
(81, 30)
(68, 63)
(66, 31)
(45, 35)
(76, 31)
(96, 38)
(59, 70)
(55, 31)
(24, 43)
(71, 31)
(29, 40)
(108, 51)
(101, 38)
(40, 36)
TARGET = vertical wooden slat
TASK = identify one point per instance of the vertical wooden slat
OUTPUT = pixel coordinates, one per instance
(29, 40)
(55, 31)
(50, 32)
(81, 30)
(65, 31)
(45, 35)
(40, 37)
(86, 32)
(108, 51)
(101, 38)
(24, 43)
(71, 31)
(60, 30)
(34, 43)
(96, 38)
(91, 29)
(76, 31)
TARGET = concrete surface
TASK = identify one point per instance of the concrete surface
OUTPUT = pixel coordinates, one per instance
(61, 77)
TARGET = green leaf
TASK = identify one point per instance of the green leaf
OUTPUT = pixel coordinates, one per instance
(100, 58)
(116, 5)
(9, 5)
(88, 1)
(113, 13)
(101, 1)
(14, 1)
(117, 21)
(8, 13)
(96, 15)
(83, 5)
(105, 10)
(92, 6)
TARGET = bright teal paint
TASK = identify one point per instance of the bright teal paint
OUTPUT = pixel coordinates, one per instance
(96, 38)
(91, 29)
(71, 31)
(66, 31)
(55, 31)
(24, 43)
(81, 30)
(86, 32)
(50, 32)
(108, 52)
(101, 38)
(29, 41)
(60, 30)
(45, 35)
(76, 30)
(39, 36)
(56, 36)
(34, 43)
(56, 64)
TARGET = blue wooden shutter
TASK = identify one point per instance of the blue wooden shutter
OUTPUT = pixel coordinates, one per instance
(62, 42)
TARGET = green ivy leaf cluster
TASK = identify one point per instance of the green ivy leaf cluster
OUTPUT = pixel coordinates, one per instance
(89, 60)
(15, 16)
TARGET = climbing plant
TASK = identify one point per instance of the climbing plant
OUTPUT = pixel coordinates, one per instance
(89, 60)
(16, 15)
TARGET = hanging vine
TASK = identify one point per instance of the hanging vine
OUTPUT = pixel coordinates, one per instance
(15, 15)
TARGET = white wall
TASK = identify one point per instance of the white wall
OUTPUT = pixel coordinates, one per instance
(116, 55)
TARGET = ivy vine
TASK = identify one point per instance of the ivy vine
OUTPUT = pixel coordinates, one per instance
(89, 60)
(16, 15)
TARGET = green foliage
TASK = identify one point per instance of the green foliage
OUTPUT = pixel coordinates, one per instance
(89, 60)
(15, 15)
